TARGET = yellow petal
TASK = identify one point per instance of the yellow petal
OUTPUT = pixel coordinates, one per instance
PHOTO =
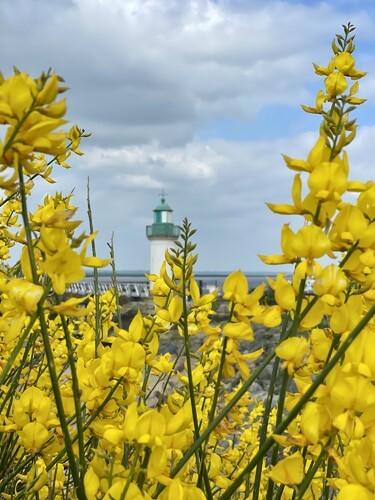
(296, 164)
(296, 191)
(235, 286)
(95, 262)
(158, 462)
(91, 483)
(354, 491)
(175, 309)
(310, 420)
(289, 471)
(238, 330)
(275, 259)
(283, 209)
(335, 83)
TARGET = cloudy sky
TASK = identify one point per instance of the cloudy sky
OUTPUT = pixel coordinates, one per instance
(196, 97)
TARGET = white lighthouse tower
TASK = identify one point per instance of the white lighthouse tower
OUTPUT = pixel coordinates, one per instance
(162, 233)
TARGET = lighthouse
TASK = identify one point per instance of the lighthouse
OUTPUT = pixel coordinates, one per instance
(162, 233)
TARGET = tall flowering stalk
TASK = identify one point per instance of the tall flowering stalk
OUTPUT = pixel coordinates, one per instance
(91, 410)
(345, 232)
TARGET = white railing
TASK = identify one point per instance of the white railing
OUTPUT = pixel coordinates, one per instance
(126, 289)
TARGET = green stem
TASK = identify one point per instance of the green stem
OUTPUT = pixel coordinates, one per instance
(297, 313)
(185, 313)
(186, 343)
(98, 335)
(48, 350)
(76, 394)
(317, 212)
(279, 492)
(151, 326)
(312, 471)
(279, 416)
(263, 430)
(349, 253)
(114, 280)
(340, 106)
(215, 398)
(266, 414)
(334, 344)
(281, 399)
(7, 448)
(144, 384)
(220, 372)
(327, 475)
(213, 407)
(142, 474)
(132, 471)
(218, 381)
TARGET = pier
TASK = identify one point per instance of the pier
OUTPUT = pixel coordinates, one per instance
(134, 283)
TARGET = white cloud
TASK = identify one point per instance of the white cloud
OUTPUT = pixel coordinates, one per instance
(136, 181)
(154, 70)
(361, 158)
(228, 208)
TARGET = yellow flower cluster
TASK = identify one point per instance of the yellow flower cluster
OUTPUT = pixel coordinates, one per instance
(91, 409)
(337, 422)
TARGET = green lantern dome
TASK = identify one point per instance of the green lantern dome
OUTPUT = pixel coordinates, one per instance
(163, 227)
(162, 207)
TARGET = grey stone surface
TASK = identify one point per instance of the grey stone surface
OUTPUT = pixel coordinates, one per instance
(172, 342)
